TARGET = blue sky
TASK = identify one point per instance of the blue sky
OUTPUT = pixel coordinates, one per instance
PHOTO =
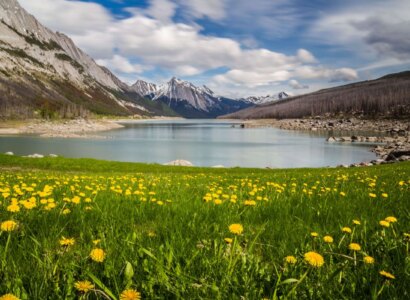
(238, 47)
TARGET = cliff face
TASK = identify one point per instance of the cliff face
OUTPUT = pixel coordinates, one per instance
(42, 71)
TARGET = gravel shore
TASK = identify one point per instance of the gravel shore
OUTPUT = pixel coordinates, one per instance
(393, 135)
(80, 128)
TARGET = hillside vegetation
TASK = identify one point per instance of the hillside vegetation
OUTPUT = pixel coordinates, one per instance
(88, 229)
(388, 97)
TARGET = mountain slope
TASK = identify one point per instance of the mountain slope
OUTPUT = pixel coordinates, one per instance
(42, 72)
(189, 100)
(268, 98)
(388, 96)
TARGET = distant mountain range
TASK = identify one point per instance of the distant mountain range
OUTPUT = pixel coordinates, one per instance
(268, 98)
(189, 100)
(44, 73)
(386, 97)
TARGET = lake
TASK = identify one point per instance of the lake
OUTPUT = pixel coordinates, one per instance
(202, 142)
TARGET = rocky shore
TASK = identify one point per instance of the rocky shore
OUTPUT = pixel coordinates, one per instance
(80, 128)
(391, 138)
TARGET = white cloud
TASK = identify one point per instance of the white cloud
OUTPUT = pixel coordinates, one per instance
(154, 40)
(162, 10)
(367, 28)
(121, 64)
(70, 17)
(213, 9)
(296, 85)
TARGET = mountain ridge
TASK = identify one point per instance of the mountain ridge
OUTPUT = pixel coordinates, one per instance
(385, 97)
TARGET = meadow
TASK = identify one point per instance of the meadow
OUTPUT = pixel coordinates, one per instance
(88, 229)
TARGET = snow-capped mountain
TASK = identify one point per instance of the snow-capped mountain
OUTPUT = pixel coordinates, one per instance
(145, 89)
(189, 100)
(41, 68)
(268, 98)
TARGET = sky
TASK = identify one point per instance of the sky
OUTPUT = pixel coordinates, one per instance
(238, 48)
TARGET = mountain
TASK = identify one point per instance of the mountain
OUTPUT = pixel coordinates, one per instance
(189, 100)
(386, 97)
(268, 98)
(145, 89)
(44, 72)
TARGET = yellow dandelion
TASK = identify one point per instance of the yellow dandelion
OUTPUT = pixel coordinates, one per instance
(228, 240)
(96, 242)
(385, 195)
(387, 275)
(314, 259)
(97, 255)
(8, 226)
(67, 241)
(84, 286)
(372, 195)
(328, 239)
(291, 259)
(9, 297)
(13, 208)
(314, 234)
(384, 223)
(236, 229)
(66, 211)
(356, 222)
(391, 219)
(368, 260)
(130, 294)
(346, 230)
(249, 203)
(354, 247)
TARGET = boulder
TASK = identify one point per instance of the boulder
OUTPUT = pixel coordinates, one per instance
(53, 155)
(9, 153)
(218, 167)
(35, 155)
(179, 162)
(331, 139)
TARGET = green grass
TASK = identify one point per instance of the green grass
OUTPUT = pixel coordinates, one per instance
(165, 237)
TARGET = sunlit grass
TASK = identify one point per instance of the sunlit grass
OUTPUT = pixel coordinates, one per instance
(99, 230)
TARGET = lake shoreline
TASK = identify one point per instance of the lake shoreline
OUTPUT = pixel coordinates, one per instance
(77, 128)
(394, 135)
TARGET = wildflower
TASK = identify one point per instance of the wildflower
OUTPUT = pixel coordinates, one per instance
(249, 203)
(130, 294)
(218, 201)
(97, 255)
(314, 234)
(9, 297)
(96, 242)
(314, 259)
(236, 229)
(387, 275)
(384, 223)
(346, 230)
(291, 259)
(356, 222)
(228, 240)
(328, 239)
(391, 219)
(9, 225)
(84, 286)
(67, 242)
(372, 195)
(66, 211)
(13, 208)
(368, 260)
(152, 233)
(354, 247)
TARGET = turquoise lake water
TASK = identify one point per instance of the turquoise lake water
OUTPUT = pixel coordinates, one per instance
(202, 142)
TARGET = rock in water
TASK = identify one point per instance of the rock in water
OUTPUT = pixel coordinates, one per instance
(179, 162)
